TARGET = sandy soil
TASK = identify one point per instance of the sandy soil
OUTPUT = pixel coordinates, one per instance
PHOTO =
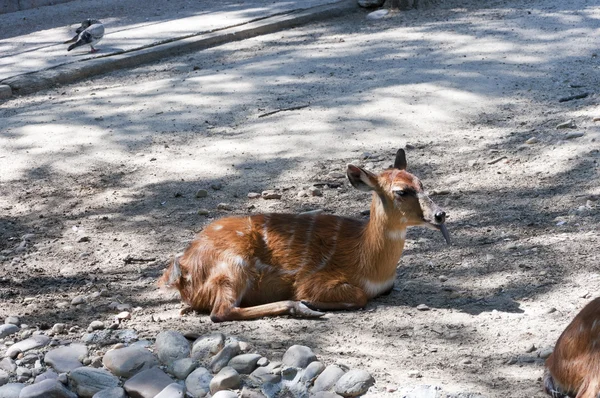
(117, 161)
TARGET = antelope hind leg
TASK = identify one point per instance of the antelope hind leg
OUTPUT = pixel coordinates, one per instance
(293, 308)
(342, 296)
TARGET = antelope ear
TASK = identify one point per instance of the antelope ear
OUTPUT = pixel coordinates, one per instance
(400, 162)
(172, 274)
(361, 179)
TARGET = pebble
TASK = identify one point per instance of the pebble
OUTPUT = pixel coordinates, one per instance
(227, 378)
(221, 360)
(198, 382)
(217, 186)
(46, 389)
(314, 191)
(8, 364)
(225, 394)
(298, 356)
(47, 375)
(181, 368)
(224, 206)
(201, 193)
(127, 361)
(30, 343)
(12, 320)
(115, 392)
(77, 300)
(121, 316)
(353, 383)
(262, 361)
(312, 371)
(65, 359)
(546, 352)
(253, 195)
(203, 212)
(23, 374)
(147, 383)
(59, 328)
(569, 124)
(206, 346)
(263, 375)
(270, 194)
(88, 381)
(443, 278)
(423, 307)
(337, 175)
(4, 377)
(377, 14)
(95, 325)
(575, 134)
(7, 329)
(415, 374)
(532, 140)
(328, 378)
(173, 390)
(245, 363)
(11, 390)
(170, 346)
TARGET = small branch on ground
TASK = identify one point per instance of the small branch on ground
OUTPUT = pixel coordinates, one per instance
(130, 259)
(293, 108)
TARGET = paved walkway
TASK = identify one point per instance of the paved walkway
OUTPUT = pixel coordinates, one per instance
(31, 40)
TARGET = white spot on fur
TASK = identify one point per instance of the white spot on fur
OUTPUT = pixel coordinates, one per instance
(399, 234)
(217, 227)
(239, 233)
(373, 289)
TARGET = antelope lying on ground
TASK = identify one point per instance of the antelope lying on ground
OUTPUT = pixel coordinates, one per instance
(573, 369)
(276, 264)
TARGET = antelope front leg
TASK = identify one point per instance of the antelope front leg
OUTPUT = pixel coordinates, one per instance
(342, 296)
(293, 308)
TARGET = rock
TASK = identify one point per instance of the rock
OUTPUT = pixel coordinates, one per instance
(173, 390)
(202, 193)
(99, 337)
(270, 194)
(7, 329)
(88, 381)
(95, 325)
(67, 358)
(289, 372)
(545, 352)
(298, 356)
(58, 328)
(181, 368)
(329, 394)
(206, 346)
(217, 186)
(147, 383)
(23, 374)
(569, 124)
(46, 389)
(227, 378)
(32, 342)
(377, 14)
(5, 91)
(115, 392)
(312, 371)
(4, 377)
(262, 361)
(337, 174)
(423, 307)
(575, 134)
(253, 195)
(224, 206)
(77, 300)
(225, 394)
(328, 378)
(47, 375)
(12, 320)
(198, 382)
(314, 191)
(121, 316)
(11, 390)
(127, 361)
(354, 383)
(170, 346)
(8, 364)
(532, 140)
(250, 393)
(203, 212)
(244, 363)
(263, 375)
(221, 360)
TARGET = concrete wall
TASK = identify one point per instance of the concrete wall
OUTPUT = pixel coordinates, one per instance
(7, 6)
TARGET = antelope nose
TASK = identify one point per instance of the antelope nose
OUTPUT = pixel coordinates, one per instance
(440, 216)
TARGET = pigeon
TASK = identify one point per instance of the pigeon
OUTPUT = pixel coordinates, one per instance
(90, 32)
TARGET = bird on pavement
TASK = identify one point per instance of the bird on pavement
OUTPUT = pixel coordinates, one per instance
(90, 32)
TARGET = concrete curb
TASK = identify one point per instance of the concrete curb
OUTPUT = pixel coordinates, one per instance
(68, 73)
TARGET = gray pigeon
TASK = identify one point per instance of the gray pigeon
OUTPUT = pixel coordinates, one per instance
(90, 32)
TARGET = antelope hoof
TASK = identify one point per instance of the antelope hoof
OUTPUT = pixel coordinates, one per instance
(185, 311)
(301, 310)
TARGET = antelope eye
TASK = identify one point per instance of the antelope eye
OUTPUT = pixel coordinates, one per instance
(399, 192)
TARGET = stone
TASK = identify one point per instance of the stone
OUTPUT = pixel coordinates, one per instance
(115, 392)
(354, 383)
(181, 368)
(245, 363)
(8, 364)
(314, 191)
(253, 195)
(78, 300)
(298, 356)
(173, 390)
(100, 337)
(263, 361)
(12, 320)
(337, 174)
(569, 124)
(147, 383)
(217, 186)
(170, 346)
(123, 315)
(206, 346)
(328, 378)
(546, 352)
(228, 378)
(263, 375)
(225, 394)
(58, 328)
(47, 375)
(532, 140)
(4, 377)
(576, 134)
(198, 382)
(64, 359)
(202, 193)
(127, 361)
(36, 341)
(46, 389)
(88, 381)
(377, 14)
(312, 371)
(251, 393)
(5, 90)
(7, 329)
(423, 307)
(271, 194)
(11, 390)
(329, 394)
(95, 325)
(221, 360)
(224, 206)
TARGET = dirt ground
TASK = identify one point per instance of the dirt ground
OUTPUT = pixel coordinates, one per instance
(106, 171)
